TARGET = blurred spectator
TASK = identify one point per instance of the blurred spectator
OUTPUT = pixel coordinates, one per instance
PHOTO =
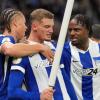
(90, 8)
(96, 32)
(56, 6)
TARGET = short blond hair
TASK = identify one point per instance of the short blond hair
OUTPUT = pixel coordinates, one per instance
(39, 14)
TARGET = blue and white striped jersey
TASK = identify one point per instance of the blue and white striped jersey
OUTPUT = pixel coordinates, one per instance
(4, 66)
(35, 70)
(83, 70)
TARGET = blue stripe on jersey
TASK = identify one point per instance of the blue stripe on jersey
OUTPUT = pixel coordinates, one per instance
(87, 90)
(99, 47)
(30, 81)
(1, 65)
(57, 91)
(66, 60)
(69, 86)
(2, 59)
(54, 43)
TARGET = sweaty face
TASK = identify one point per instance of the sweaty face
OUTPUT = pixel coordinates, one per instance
(45, 29)
(78, 33)
(21, 27)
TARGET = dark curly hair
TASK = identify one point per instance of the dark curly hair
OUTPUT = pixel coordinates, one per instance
(84, 21)
(5, 18)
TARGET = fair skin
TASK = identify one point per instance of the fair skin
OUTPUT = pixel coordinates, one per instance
(18, 29)
(78, 35)
(47, 94)
(41, 31)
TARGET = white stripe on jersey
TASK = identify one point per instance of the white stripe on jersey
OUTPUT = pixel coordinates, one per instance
(18, 68)
(62, 85)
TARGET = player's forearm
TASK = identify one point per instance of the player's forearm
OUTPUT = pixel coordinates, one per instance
(22, 49)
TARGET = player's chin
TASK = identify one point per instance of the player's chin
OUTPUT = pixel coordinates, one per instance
(48, 39)
(75, 43)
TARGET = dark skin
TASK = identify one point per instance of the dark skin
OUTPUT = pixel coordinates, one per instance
(78, 35)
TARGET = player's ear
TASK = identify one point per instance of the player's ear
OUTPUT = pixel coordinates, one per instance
(14, 22)
(34, 26)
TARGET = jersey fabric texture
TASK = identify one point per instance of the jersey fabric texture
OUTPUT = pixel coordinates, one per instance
(5, 63)
(83, 70)
(35, 71)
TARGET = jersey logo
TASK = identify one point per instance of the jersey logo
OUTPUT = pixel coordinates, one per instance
(6, 39)
(75, 61)
(41, 63)
(86, 72)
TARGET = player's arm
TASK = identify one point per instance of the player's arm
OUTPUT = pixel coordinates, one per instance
(16, 78)
(22, 49)
(14, 87)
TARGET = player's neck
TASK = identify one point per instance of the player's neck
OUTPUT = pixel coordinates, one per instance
(34, 37)
(84, 46)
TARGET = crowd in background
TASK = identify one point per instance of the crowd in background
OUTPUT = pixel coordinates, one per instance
(88, 7)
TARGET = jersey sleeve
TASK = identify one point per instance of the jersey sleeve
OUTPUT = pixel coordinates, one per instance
(19, 64)
(15, 91)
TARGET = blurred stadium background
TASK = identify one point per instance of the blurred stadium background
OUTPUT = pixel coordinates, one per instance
(88, 7)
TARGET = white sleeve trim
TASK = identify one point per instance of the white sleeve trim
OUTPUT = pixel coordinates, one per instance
(18, 68)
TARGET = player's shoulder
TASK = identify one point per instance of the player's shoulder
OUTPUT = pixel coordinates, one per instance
(7, 39)
(51, 44)
(1, 38)
(67, 45)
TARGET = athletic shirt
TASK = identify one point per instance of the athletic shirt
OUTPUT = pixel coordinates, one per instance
(36, 70)
(5, 63)
(83, 70)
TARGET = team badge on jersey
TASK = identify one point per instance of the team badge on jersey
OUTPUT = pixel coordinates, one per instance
(17, 60)
(6, 39)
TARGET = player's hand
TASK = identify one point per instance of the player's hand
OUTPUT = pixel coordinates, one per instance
(47, 52)
(47, 94)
